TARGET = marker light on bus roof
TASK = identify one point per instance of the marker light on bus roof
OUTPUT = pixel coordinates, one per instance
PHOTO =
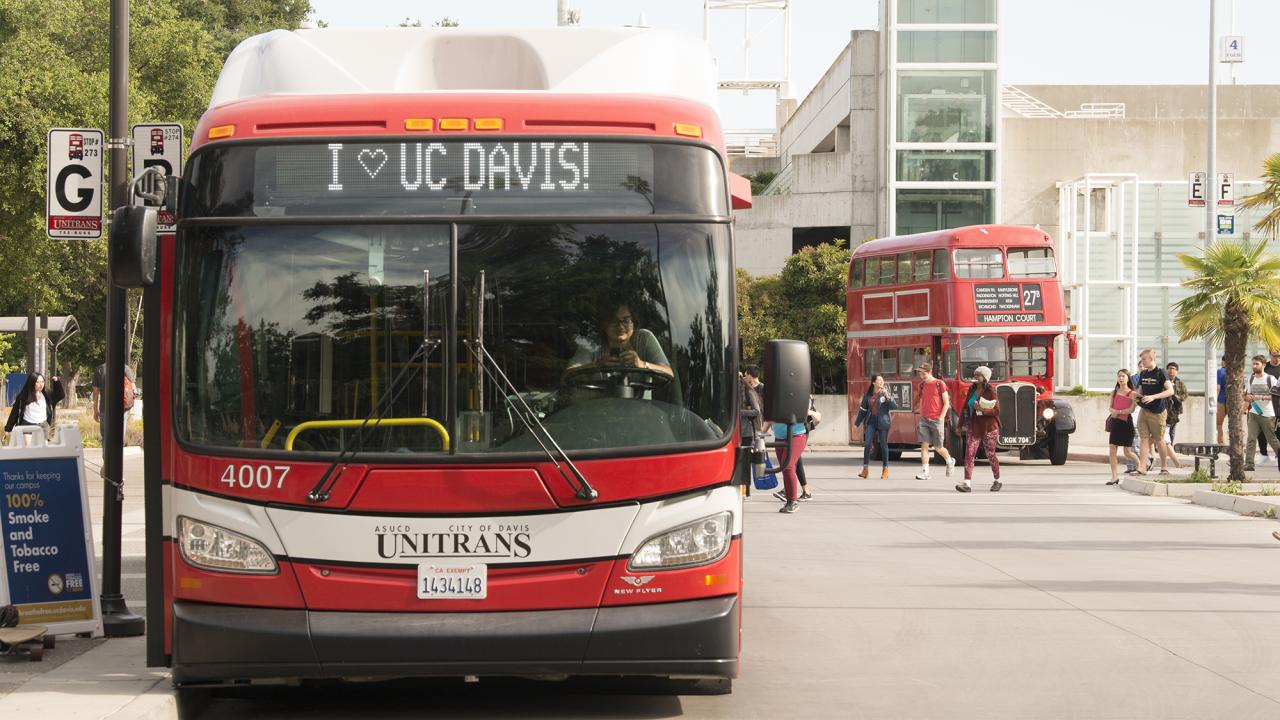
(689, 130)
(419, 124)
(453, 123)
(222, 131)
(488, 123)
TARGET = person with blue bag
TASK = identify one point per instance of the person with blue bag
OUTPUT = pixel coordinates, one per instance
(877, 403)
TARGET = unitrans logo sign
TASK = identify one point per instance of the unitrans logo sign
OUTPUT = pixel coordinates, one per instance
(459, 540)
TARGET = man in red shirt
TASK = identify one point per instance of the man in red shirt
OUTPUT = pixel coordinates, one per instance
(935, 403)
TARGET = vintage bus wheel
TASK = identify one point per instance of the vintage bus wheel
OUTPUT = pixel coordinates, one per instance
(1058, 448)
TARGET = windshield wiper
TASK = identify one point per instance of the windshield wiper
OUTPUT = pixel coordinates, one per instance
(320, 491)
(578, 483)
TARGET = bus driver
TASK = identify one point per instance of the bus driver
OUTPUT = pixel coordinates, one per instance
(625, 346)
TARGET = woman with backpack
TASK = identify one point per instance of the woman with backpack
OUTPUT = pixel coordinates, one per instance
(877, 403)
(36, 403)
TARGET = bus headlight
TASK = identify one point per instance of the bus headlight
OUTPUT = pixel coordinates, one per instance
(216, 548)
(701, 541)
(1047, 413)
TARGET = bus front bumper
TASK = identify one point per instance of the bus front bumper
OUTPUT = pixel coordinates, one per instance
(220, 643)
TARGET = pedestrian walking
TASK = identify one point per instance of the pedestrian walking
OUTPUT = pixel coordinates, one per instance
(874, 411)
(1173, 413)
(792, 451)
(1153, 387)
(1261, 415)
(752, 401)
(935, 405)
(36, 403)
(1221, 417)
(981, 415)
(130, 393)
(1119, 428)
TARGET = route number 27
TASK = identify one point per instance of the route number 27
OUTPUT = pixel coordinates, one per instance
(263, 477)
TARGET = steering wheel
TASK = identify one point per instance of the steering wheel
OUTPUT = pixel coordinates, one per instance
(621, 380)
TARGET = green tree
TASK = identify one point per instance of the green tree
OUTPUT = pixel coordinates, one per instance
(760, 180)
(54, 58)
(1267, 199)
(805, 302)
(1235, 297)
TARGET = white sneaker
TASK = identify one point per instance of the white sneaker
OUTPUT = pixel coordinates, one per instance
(923, 474)
(951, 465)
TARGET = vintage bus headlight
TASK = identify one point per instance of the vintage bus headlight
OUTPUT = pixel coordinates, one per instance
(1047, 413)
(216, 548)
(701, 541)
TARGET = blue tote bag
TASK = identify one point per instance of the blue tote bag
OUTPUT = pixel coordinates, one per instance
(768, 480)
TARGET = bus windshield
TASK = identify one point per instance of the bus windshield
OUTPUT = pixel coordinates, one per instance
(615, 335)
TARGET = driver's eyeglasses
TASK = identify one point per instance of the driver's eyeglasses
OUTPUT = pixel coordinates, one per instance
(623, 322)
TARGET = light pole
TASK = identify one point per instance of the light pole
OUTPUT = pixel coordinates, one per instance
(1210, 214)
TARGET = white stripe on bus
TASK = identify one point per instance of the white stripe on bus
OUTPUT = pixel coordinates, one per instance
(935, 330)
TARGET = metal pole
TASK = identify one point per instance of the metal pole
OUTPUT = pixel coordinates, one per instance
(1211, 211)
(117, 619)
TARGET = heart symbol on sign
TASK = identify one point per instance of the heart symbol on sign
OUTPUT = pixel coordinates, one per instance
(374, 161)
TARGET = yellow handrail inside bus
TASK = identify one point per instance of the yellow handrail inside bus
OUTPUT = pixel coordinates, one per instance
(389, 422)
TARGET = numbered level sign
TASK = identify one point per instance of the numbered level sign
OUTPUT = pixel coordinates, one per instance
(157, 145)
(1226, 190)
(1195, 189)
(73, 195)
(48, 541)
(1231, 49)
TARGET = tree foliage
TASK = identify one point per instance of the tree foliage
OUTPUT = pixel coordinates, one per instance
(1235, 298)
(54, 60)
(805, 302)
(1267, 199)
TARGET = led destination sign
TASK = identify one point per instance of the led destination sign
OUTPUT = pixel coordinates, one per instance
(530, 176)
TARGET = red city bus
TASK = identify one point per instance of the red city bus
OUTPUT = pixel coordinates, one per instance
(963, 298)
(394, 436)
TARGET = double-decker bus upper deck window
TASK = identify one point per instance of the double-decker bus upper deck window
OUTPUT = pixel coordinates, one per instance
(985, 263)
(855, 275)
(904, 268)
(1032, 262)
(546, 176)
(923, 266)
(888, 270)
(941, 264)
(872, 277)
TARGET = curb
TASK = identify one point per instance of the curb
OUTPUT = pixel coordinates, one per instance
(1087, 457)
(1236, 503)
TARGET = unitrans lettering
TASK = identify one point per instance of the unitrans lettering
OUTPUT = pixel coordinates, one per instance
(454, 544)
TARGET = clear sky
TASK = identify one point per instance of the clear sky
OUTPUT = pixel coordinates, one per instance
(1043, 41)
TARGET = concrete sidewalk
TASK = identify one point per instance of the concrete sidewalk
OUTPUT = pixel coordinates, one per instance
(108, 681)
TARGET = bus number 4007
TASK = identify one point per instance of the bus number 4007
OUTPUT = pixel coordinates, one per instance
(263, 477)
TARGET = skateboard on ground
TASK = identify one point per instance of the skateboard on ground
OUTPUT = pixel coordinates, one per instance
(28, 640)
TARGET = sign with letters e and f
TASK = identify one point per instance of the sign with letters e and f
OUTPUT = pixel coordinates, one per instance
(73, 193)
(157, 145)
(1226, 190)
(1196, 182)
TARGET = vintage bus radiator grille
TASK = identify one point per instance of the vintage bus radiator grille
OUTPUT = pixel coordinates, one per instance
(1017, 413)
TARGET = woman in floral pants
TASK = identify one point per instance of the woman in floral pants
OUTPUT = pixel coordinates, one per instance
(983, 421)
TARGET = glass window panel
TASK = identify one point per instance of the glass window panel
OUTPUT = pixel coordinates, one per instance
(1106, 308)
(941, 265)
(904, 268)
(932, 46)
(855, 277)
(979, 263)
(923, 266)
(1106, 356)
(1029, 356)
(939, 209)
(944, 165)
(979, 350)
(871, 359)
(889, 363)
(946, 11)
(946, 105)
(948, 364)
(888, 270)
(1032, 262)
(872, 278)
(906, 361)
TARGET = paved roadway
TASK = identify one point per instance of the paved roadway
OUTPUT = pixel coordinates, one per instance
(1055, 598)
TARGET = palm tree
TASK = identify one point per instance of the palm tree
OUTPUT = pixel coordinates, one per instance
(1267, 199)
(1235, 298)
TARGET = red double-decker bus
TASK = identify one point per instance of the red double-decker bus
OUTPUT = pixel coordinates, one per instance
(447, 373)
(981, 295)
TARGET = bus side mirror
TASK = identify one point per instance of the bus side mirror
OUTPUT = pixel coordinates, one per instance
(133, 246)
(787, 381)
(1073, 346)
